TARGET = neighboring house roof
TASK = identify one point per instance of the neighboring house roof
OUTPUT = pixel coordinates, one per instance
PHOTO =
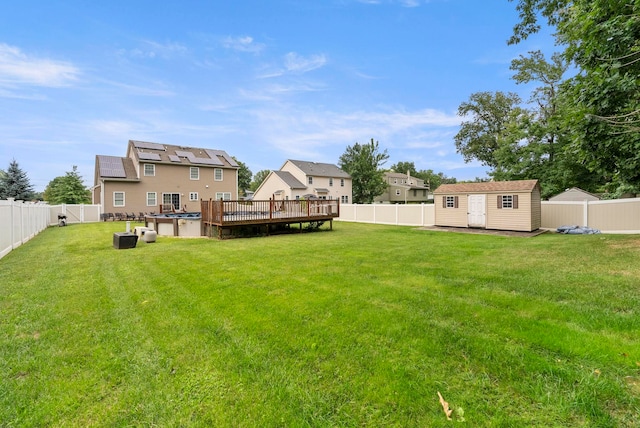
(489, 187)
(170, 154)
(574, 194)
(289, 180)
(116, 168)
(319, 169)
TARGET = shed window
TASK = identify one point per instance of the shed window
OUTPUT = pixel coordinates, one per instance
(508, 202)
(449, 202)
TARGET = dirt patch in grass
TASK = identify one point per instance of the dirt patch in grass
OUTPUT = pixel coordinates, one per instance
(485, 231)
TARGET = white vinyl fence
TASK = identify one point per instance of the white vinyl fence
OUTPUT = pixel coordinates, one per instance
(615, 216)
(20, 221)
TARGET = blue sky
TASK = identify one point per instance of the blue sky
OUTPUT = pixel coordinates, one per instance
(264, 80)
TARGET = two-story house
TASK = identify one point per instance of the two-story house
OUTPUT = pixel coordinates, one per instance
(303, 179)
(153, 176)
(403, 188)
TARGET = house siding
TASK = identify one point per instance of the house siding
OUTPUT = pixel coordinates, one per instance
(172, 178)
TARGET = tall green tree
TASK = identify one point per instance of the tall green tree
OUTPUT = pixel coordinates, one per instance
(14, 183)
(244, 177)
(258, 178)
(363, 162)
(489, 127)
(602, 41)
(67, 189)
(404, 167)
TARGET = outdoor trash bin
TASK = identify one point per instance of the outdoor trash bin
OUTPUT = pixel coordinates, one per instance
(122, 240)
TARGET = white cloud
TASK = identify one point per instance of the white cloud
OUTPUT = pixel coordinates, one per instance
(17, 68)
(242, 44)
(151, 50)
(295, 63)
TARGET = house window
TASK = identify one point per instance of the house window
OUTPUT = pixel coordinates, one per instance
(193, 196)
(342, 182)
(149, 169)
(415, 192)
(217, 174)
(118, 199)
(344, 199)
(449, 202)
(508, 202)
(310, 180)
(225, 196)
(194, 173)
(152, 199)
(330, 182)
(397, 192)
(395, 181)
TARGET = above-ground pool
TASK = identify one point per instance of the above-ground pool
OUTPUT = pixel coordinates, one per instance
(175, 224)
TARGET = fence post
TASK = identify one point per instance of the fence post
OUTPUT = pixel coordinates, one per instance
(585, 214)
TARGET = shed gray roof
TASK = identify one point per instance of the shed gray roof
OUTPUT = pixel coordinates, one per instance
(290, 180)
(489, 187)
(319, 169)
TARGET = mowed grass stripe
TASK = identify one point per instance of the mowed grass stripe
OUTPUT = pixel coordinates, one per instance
(358, 326)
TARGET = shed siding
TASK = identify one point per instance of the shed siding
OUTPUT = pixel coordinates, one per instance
(509, 218)
(453, 217)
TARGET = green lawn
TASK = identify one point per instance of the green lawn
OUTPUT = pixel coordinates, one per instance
(360, 326)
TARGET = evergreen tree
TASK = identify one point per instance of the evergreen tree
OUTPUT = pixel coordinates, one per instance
(14, 183)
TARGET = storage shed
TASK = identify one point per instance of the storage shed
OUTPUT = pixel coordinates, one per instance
(500, 205)
(574, 194)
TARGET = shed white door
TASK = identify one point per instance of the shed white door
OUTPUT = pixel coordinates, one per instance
(477, 215)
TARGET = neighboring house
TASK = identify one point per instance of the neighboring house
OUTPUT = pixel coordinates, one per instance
(309, 180)
(501, 205)
(154, 177)
(574, 194)
(403, 188)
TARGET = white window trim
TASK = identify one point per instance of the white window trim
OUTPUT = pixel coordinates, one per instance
(155, 198)
(342, 182)
(310, 180)
(508, 200)
(225, 196)
(152, 173)
(193, 196)
(215, 174)
(193, 169)
(451, 201)
(123, 199)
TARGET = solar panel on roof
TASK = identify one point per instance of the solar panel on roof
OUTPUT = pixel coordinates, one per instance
(111, 166)
(149, 156)
(146, 145)
(174, 158)
(193, 159)
(213, 154)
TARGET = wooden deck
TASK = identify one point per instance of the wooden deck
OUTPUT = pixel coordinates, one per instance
(251, 218)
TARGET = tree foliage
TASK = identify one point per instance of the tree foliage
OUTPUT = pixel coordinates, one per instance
(404, 167)
(67, 189)
(244, 177)
(258, 178)
(363, 162)
(14, 183)
(602, 41)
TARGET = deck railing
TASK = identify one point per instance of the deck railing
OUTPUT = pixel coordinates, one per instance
(224, 213)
